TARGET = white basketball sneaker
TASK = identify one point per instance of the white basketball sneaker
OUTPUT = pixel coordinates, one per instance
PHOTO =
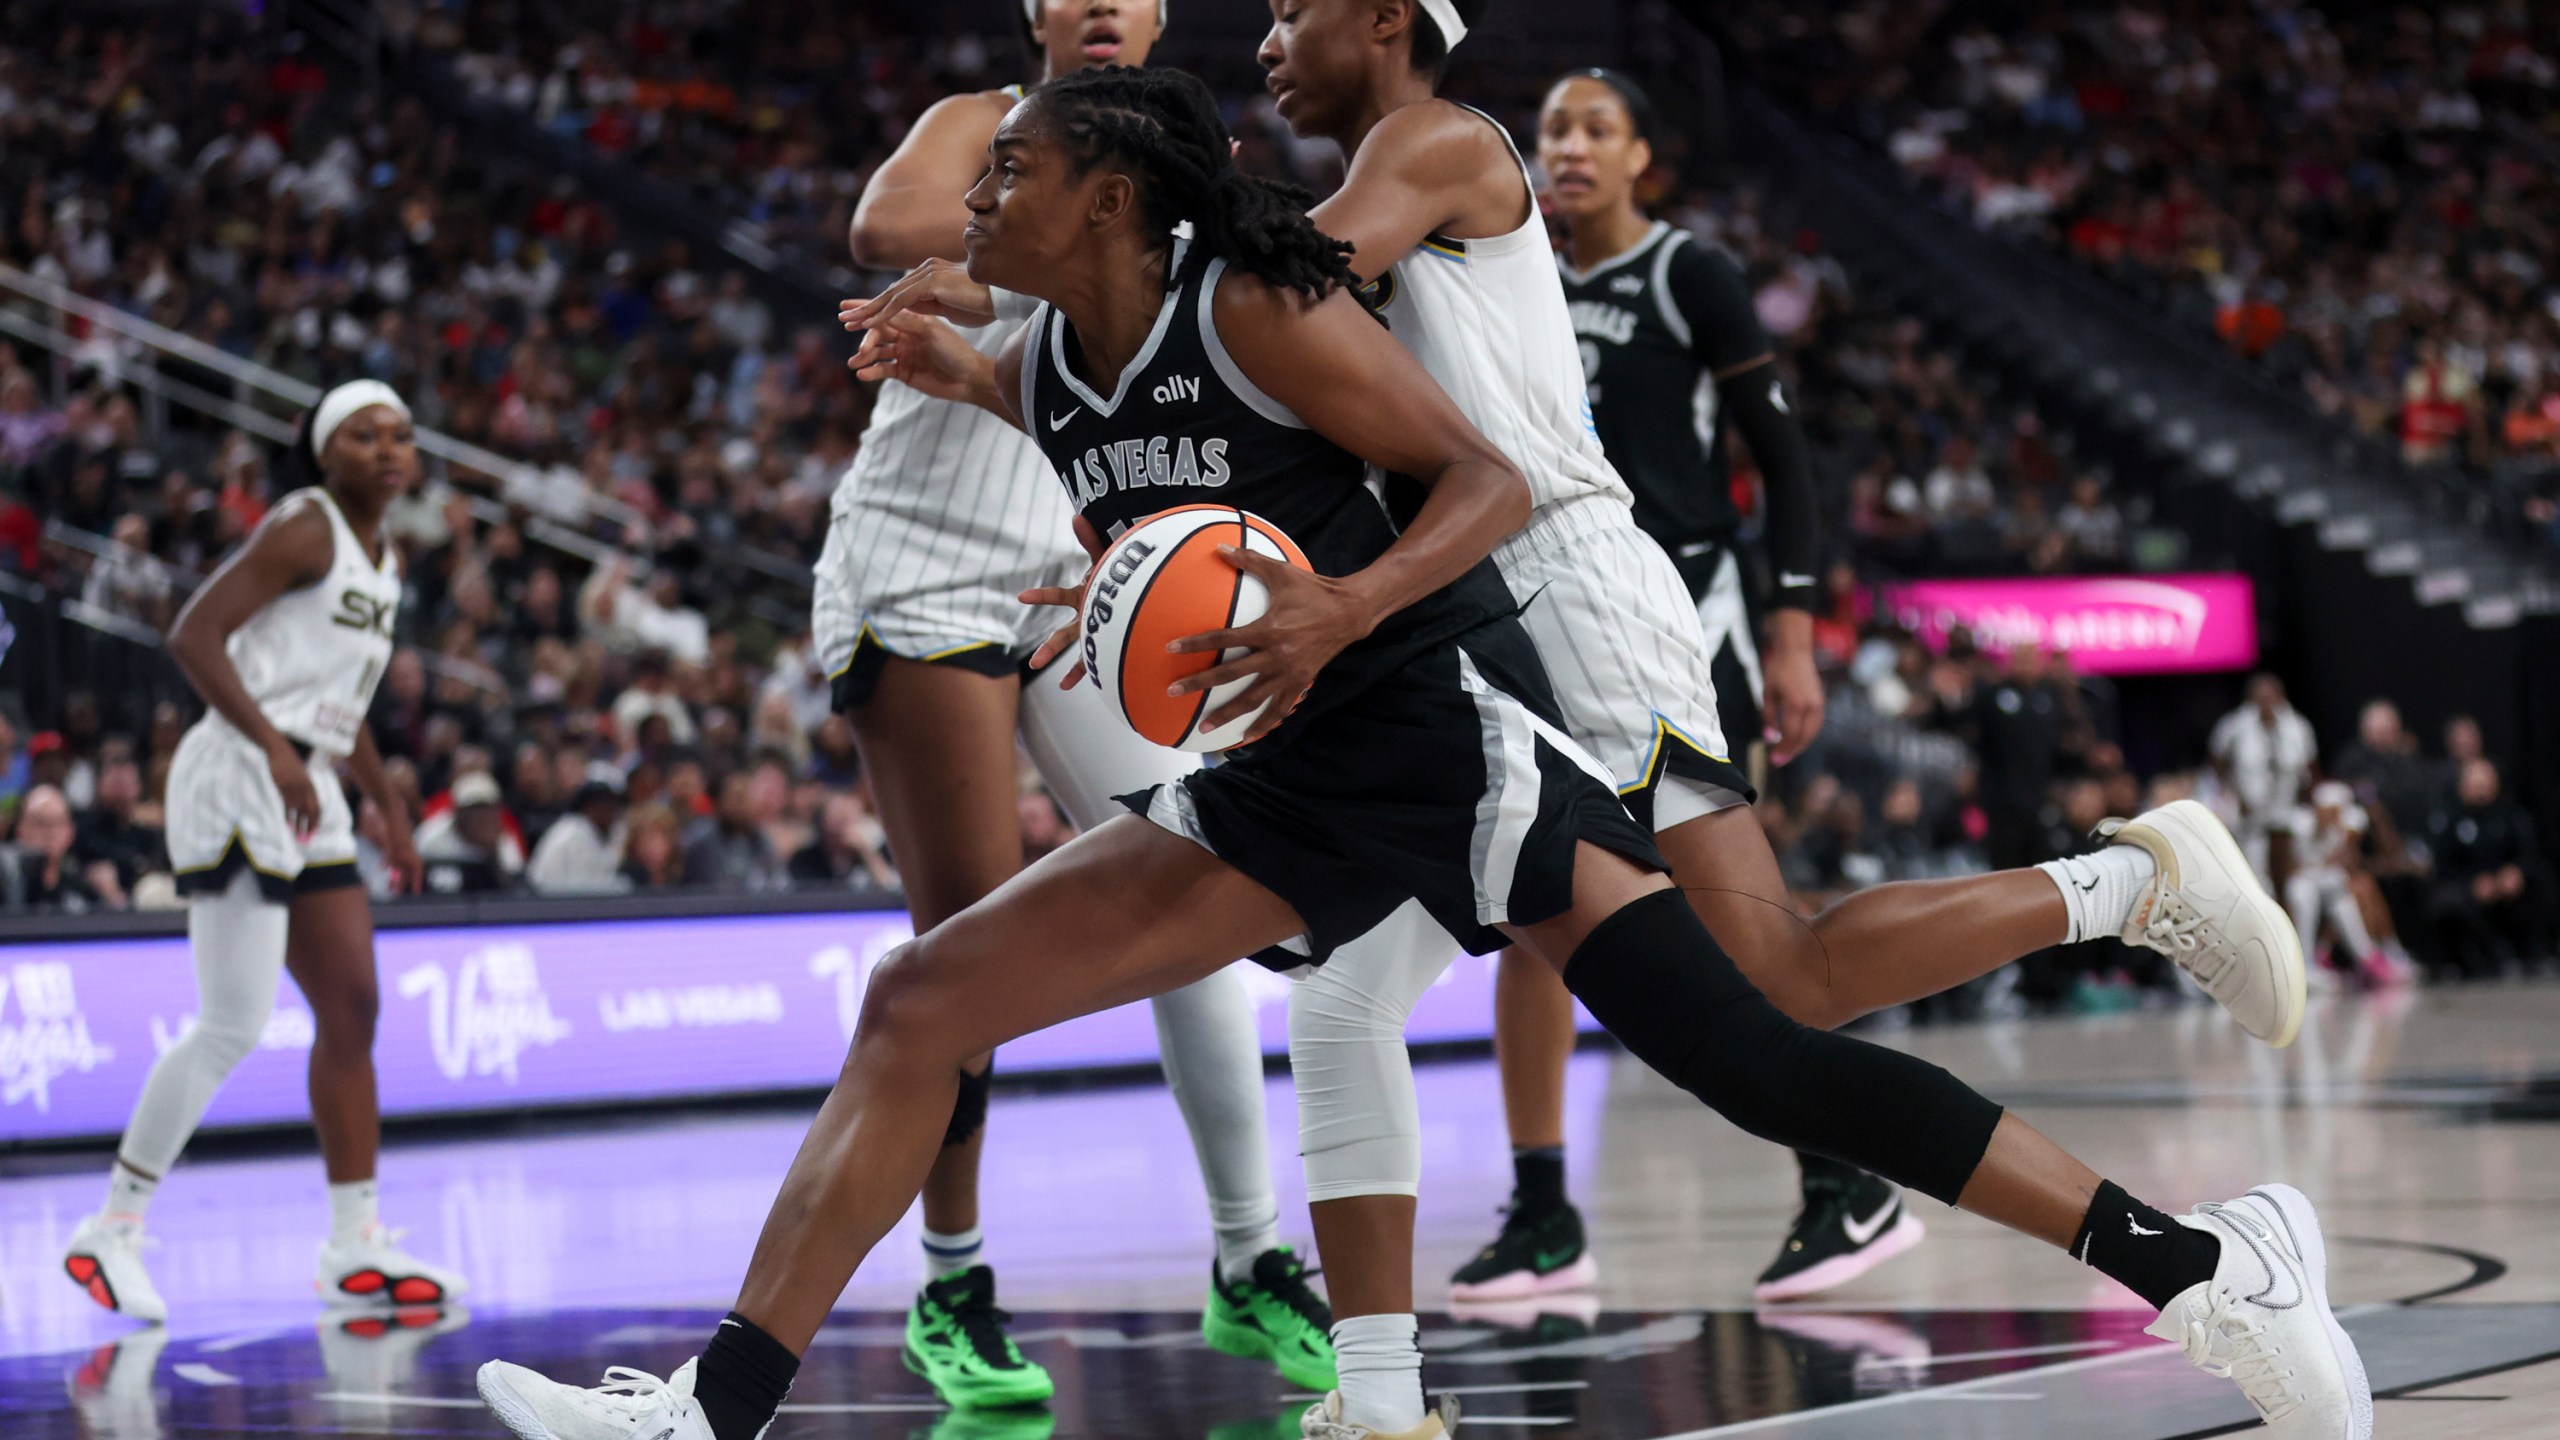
(2206, 911)
(2263, 1320)
(372, 1269)
(1323, 1421)
(629, 1405)
(105, 1259)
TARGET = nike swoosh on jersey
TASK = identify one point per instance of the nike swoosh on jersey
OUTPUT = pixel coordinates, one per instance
(1059, 422)
(1860, 1232)
(1788, 579)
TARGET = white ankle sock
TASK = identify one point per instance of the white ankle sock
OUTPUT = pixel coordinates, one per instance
(951, 1254)
(128, 1194)
(352, 1210)
(1237, 1252)
(2099, 891)
(1379, 1361)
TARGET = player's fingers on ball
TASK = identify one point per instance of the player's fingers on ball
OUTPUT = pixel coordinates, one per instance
(1262, 567)
(1053, 595)
(1211, 641)
(1216, 675)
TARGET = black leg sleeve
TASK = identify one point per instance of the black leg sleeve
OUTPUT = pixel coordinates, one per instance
(1653, 975)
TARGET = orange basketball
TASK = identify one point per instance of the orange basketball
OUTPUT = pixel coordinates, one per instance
(1161, 581)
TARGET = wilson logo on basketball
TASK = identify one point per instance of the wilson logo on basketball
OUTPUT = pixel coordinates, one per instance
(1165, 580)
(1135, 464)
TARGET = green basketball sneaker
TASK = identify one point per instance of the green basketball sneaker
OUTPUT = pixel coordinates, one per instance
(1272, 1315)
(956, 1341)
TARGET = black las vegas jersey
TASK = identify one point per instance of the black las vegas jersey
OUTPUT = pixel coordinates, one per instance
(1184, 426)
(1655, 324)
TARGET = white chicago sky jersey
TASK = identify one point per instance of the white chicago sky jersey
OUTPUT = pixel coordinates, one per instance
(942, 499)
(311, 657)
(1487, 318)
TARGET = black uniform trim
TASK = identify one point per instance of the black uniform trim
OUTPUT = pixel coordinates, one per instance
(1445, 781)
(852, 686)
(216, 878)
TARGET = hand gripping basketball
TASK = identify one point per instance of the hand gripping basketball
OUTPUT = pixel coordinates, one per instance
(1147, 626)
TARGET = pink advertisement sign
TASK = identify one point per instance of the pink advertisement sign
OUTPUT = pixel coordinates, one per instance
(2107, 624)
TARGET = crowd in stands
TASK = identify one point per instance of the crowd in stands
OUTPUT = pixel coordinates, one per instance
(2361, 199)
(614, 711)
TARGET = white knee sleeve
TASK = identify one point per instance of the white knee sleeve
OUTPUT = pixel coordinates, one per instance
(238, 939)
(1359, 1127)
(1213, 1062)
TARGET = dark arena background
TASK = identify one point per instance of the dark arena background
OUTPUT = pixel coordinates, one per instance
(2167, 369)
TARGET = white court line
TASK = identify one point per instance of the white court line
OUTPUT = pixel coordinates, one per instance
(2029, 1395)
(202, 1374)
(1523, 1388)
(432, 1402)
(1901, 1362)
(1474, 1419)
(245, 1337)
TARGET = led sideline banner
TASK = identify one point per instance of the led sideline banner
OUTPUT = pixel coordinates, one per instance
(2107, 624)
(519, 1017)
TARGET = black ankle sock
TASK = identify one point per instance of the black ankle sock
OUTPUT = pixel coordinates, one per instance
(742, 1378)
(1813, 1170)
(2152, 1255)
(1537, 1177)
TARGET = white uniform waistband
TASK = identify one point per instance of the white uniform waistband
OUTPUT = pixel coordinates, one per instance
(1566, 520)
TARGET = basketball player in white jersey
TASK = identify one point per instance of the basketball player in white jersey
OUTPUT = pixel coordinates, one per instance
(946, 516)
(285, 643)
(1446, 232)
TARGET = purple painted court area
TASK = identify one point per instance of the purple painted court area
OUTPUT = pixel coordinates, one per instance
(500, 1018)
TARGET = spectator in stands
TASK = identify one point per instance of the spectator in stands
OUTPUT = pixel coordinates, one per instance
(2264, 751)
(651, 695)
(652, 848)
(128, 581)
(2093, 525)
(13, 765)
(466, 849)
(2386, 768)
(28, 427)
(40, 871)
(846, 854)
(2017, 723)
(648, 616)
(2493, 895)
(117, 831)
(581, 854)
(731, 852)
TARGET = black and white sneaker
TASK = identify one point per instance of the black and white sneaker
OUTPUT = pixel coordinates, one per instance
(1848, 1226)
(1537, 1253)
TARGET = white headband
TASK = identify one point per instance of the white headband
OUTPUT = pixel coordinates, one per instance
(1444, 13)
(1031, 12)
(347, 399)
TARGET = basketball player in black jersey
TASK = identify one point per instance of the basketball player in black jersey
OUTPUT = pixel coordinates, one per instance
(1673, 354)
(1424, 764)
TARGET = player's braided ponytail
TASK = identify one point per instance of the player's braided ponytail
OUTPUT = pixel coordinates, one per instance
(1163, 125)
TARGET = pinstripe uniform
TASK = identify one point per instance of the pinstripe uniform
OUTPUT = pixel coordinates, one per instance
(946, 515)
(1607, 608)
(310, 660)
